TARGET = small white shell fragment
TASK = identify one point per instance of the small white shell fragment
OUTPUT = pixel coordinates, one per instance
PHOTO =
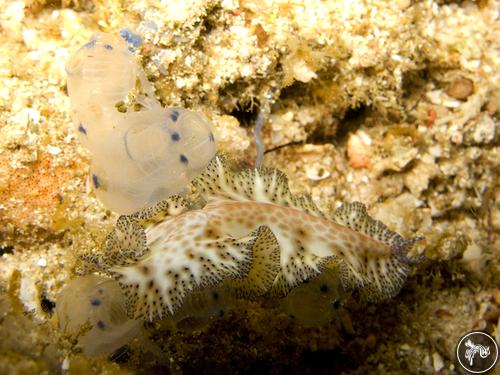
(451, 103)
(65, 364)
(437, 362)
(302, 72)
(435, 97)
(317, 172)
(54, 150)
(29, 294)
(42, 262)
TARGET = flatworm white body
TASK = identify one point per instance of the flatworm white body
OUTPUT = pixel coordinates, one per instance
(252, 236)
(138, 157)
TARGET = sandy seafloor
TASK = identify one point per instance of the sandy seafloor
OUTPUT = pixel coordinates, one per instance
(394, 104)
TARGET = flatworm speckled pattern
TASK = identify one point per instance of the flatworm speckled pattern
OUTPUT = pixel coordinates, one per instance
(253, 236)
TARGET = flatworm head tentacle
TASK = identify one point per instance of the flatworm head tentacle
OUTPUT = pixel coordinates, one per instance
(383, 277)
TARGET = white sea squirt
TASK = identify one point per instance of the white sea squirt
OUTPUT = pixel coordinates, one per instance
(199, 309)
(93, 309)
(138, 157)
(314, 303)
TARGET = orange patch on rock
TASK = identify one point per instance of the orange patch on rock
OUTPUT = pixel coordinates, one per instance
(29, 196)
(358, 150)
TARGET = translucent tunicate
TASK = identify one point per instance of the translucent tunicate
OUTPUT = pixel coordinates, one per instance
(101, 72)
(141, 165)
(200, 309)
(93, 309)
(314, 303)
(139, 156)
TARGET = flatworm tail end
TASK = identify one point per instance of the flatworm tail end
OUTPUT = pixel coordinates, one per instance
(384, 276)
(154, 290)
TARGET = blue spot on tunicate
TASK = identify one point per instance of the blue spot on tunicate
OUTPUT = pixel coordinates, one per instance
(101, 325)
(174, 115)
(183, 159)
(211, 137)
(175, 136)
(90, 44)
(131, 38)
(95, 301)
(108, 46)
(96, 182)
(81, 129)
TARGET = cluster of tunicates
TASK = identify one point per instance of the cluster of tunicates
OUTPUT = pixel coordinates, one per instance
(92, 308)
(141, 152)
(313, 303)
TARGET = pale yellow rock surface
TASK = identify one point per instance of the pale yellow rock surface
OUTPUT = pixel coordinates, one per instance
(326, 70)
